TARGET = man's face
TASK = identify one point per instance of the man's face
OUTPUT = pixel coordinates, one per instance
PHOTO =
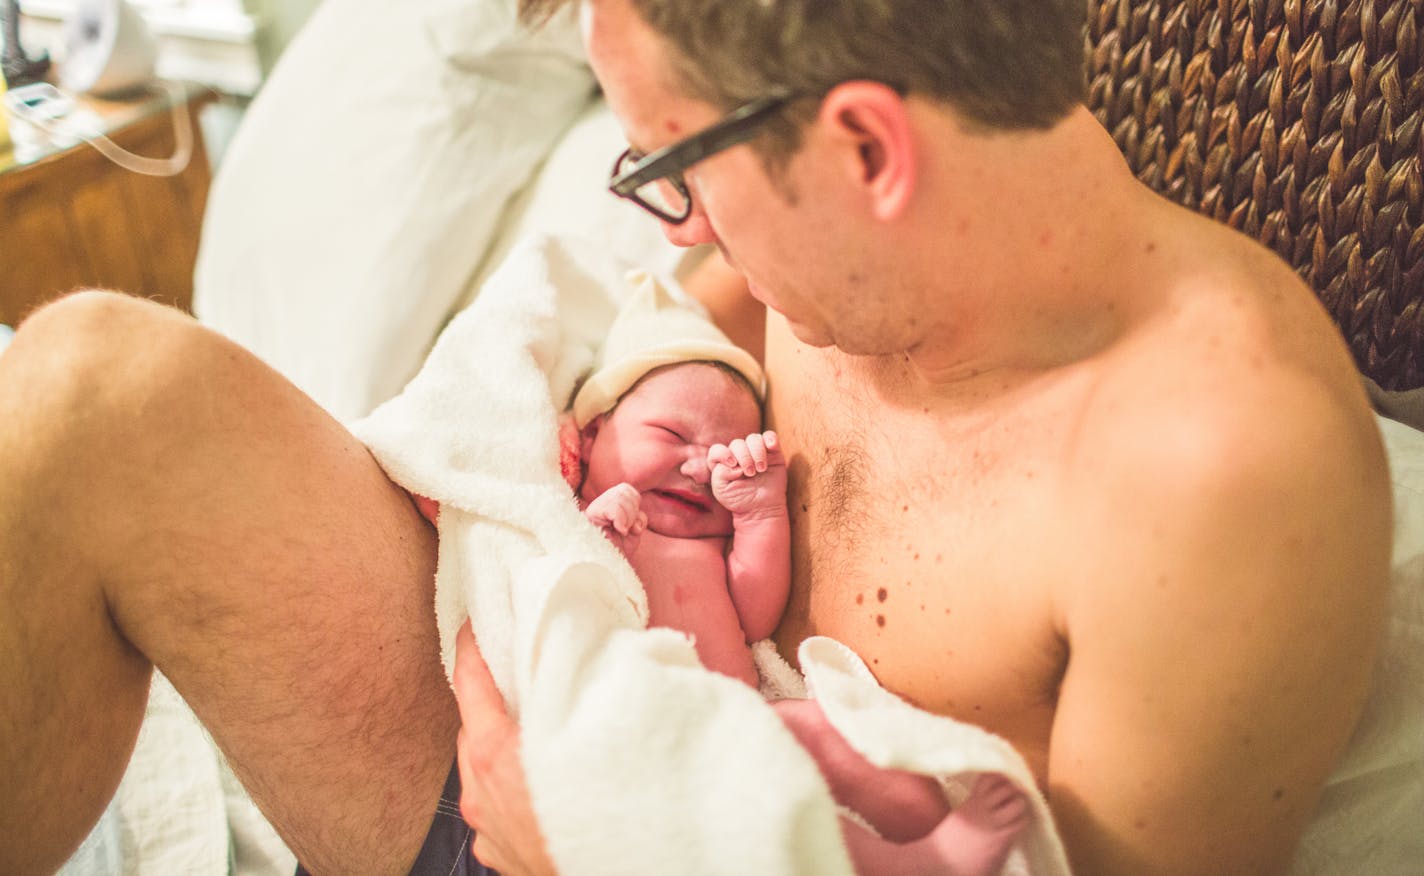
(773, 243)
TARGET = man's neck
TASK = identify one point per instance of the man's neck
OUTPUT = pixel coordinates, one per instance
(1044, 227)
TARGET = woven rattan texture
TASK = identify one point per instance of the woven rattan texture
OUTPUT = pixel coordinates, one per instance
(1297, 122)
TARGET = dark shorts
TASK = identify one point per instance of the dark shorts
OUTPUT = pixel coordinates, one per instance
(447, 846)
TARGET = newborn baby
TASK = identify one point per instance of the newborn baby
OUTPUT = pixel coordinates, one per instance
(672, 463)
(701, 516)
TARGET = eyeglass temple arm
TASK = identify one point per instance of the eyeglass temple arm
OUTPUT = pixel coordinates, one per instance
(729, 132)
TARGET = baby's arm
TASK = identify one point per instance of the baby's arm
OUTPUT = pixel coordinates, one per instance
(749, 479)
(616, 512)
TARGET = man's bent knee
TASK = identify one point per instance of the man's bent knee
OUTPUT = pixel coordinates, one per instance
(71, 688)
(90, 326)
(79, 381)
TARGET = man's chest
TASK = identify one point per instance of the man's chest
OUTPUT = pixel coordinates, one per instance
(929, 551)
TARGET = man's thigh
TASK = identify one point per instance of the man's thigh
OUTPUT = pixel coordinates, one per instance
(253, 550)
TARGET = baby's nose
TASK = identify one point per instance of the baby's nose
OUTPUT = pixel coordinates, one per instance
(695, 467)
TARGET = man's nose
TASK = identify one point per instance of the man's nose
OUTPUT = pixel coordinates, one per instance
(695, 467)
(691, 232)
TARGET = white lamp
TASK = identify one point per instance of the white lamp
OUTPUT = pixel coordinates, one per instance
(108, 48)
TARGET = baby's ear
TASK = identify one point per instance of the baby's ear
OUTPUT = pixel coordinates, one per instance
(586, 437)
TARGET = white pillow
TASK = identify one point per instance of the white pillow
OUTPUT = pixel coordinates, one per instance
(569, 197)
(366, 181)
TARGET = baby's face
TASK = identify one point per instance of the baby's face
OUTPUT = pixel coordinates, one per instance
(657, 440)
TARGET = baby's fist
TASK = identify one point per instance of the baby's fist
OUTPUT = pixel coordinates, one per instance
(749, 474)
(616, 511)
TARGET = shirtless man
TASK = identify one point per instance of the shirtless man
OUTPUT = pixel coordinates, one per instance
(1137, 521)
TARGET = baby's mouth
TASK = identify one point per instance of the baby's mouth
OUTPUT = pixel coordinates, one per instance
(683, 499)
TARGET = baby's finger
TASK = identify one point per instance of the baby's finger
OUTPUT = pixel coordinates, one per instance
(757, 448)
(720, 454)
(744, 457)
(619, 518)
(624, 519)
(774, 455)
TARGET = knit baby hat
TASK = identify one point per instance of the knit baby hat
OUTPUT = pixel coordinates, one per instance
(653, 329)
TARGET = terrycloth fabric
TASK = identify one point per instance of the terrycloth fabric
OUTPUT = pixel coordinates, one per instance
(638, 759)
(476, 431)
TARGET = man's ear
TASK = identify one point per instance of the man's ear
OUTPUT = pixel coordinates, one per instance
(874, 121)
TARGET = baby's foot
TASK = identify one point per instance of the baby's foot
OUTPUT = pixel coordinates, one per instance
(976, 837)
(973, 840)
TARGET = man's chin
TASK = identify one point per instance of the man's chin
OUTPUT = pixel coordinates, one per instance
(809, 336)
(801, 331)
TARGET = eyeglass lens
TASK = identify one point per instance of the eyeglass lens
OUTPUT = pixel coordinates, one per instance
(662, 195)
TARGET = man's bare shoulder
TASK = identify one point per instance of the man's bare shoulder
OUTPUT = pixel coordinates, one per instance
(1234, 406)
(1233, 495)
(1233, 358)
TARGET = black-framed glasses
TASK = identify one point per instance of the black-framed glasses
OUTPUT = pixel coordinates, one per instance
(654, 182)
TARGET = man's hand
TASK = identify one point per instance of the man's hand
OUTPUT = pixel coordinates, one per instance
(749, 475)
(494, 798)
(616, 512)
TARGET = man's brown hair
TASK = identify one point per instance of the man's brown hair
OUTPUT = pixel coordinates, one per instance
(1002, 64)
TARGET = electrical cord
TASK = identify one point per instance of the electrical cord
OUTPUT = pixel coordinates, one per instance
(59, 125)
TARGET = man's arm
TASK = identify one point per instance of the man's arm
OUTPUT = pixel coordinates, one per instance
(1221, 653)
(494, 798)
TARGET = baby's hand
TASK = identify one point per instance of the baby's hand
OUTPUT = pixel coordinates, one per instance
(749, 475)
(617, 512)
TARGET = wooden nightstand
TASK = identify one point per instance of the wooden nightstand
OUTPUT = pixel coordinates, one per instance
(70, 218)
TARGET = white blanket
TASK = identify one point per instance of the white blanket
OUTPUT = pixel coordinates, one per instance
(638, 759)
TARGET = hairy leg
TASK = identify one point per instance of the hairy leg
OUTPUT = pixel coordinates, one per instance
(166, 499)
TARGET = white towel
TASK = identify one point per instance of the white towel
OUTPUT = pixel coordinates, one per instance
(638, 759)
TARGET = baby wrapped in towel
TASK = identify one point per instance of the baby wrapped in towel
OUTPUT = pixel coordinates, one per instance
(664, 451)
(637, 759)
